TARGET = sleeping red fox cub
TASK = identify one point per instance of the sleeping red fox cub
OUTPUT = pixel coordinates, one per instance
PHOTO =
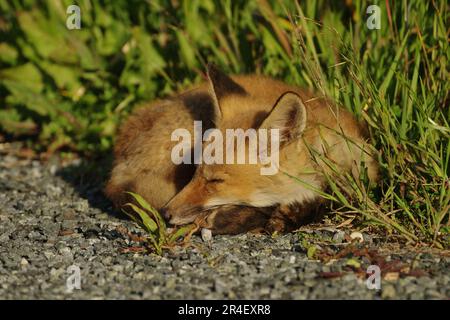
(237, 197)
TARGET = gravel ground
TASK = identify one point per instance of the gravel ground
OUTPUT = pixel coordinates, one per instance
(49, 223)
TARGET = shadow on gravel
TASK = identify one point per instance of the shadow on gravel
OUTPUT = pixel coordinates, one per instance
(88, 178)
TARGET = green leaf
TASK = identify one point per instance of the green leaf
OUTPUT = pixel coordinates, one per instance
(151, 236)
(11, 122)
(64, 77)
(31, 24)
(151, 58)
(159, 219)
(180, 232)
(393, 68)
(22, 95)
(149, 223)
(48, 39)
(27, 75)
(353, 263)
(8, 54)
(311, 251)
(186, 50)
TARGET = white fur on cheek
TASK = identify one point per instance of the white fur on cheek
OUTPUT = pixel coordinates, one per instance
(285, 195)
(221, 201)
(288, 192)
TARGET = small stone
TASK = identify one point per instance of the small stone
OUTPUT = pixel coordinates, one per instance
(49, 255)
(339, 236)
(388, 292)
(170, 283)
(68, 224)
(82, 206)
(310, 283)
(64, 250)
(264, 291)
(53, 191)
(118, 268)
(357, 235)
(433, 294)
(24, 262)
(417, 295)
(53, 168)
(391, 276)
(220, 286)
(206, 235)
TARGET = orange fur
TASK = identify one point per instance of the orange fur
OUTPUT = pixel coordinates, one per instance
(143, 149)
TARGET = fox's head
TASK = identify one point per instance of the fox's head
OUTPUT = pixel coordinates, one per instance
(245, 184)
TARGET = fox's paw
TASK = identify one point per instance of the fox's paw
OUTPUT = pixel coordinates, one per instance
(275, 225)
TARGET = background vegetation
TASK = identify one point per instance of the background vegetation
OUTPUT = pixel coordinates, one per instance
(66, 90)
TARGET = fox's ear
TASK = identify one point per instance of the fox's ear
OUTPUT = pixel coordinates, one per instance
(221, 86)
(288, 115)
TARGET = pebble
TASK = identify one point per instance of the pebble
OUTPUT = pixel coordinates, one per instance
(339, 236)
(388, 292)
(357, 235)
(206, 235)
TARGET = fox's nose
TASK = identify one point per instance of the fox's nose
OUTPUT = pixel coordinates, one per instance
(166, 214)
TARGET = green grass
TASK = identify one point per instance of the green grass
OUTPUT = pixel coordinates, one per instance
(67, 91)
(158, 236)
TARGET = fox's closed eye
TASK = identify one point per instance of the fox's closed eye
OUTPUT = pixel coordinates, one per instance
(216, 180)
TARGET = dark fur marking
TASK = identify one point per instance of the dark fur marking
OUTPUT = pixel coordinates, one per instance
(182, 175)
(223, 85)
(289, 218)
(195, 102)
(239, 219)
(259, 118)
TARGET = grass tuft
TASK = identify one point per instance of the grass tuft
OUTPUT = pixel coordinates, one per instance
(158, 236)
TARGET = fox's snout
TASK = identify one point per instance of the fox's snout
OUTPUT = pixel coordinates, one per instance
(184, 215)
(165, 213)
(188, 204)
(173, 218)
